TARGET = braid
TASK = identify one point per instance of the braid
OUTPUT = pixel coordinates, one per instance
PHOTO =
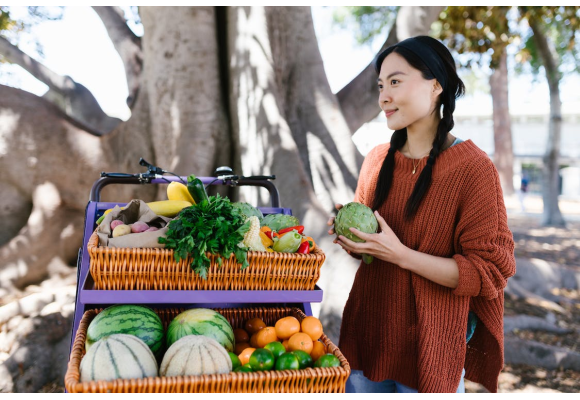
(424, 181)
(385, 178)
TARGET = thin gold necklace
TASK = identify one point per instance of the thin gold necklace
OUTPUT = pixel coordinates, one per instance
(413, 159)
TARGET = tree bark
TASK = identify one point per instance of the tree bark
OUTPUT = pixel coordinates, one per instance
(551, 174)
(358, 99)
(71, 97)
(127, 44)
(502, 132)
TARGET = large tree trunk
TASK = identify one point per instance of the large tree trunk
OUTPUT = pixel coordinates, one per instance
(551, 176)
(502, 131)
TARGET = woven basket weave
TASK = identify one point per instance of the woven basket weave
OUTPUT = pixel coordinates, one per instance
(156, 269)
(309, 380)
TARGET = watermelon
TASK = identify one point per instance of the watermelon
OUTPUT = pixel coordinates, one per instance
(118, 356)
(128, 319)
(204, 322)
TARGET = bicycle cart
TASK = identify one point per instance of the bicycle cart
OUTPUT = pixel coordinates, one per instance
(289, 295)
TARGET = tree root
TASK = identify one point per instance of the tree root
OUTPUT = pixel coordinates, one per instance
(519, 351)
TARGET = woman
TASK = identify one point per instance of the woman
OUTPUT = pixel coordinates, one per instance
(444, 251)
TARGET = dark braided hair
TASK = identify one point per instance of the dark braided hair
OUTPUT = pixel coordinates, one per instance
(453, 89)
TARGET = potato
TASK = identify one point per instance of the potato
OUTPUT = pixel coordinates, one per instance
(116, 223)
(139, 227)
(121, 230)
(151, 229)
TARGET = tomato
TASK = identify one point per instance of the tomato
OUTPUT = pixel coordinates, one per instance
(304, 358)
(262, 360)
(287, 361)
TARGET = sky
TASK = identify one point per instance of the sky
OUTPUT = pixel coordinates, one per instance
(78, 46)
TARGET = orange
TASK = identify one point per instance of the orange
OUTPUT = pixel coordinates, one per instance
(286, 327)
(312, 327)
(240, 347)
(285, 344)
(265, 336)
(318, 350)
(254, 341)
(241, 335)
(254, 325)
(300, 341)
(245, 355)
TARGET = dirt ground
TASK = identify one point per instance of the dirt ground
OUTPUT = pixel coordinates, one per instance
(556, 245)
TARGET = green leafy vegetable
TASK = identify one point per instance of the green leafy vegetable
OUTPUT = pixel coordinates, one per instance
(212, 226)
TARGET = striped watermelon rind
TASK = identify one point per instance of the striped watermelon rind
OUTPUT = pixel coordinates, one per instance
(201, 321)
(139, 321)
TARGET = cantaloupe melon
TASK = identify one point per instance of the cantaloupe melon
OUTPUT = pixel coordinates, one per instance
(195, 355)
(118, 356)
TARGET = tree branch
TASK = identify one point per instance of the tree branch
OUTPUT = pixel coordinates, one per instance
(14, 55)
(358, 99)
(127, 44)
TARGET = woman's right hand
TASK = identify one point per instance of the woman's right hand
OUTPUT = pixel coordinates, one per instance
(331, 221)
(331, 232)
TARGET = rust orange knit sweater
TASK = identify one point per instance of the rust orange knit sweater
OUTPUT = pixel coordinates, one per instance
(398, 325)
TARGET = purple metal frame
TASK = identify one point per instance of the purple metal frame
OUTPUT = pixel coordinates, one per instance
(87, 298)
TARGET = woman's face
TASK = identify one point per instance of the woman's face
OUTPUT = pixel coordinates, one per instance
(405, 96)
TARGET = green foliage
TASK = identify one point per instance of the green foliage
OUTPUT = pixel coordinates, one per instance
(212, 226)
(367, 21)
(561, 24)
(475, 31)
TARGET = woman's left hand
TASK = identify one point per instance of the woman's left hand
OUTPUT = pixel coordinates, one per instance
(384, 245)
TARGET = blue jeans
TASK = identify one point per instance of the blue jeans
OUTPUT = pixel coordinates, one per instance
(358, 383)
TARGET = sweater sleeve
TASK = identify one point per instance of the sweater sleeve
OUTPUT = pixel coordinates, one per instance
(486, 247)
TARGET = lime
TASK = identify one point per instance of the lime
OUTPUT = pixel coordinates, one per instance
(244, 368)
(303, 358)
(235, 360)
(287, 361)
(262, 360)
(276, 348)
(327, 361)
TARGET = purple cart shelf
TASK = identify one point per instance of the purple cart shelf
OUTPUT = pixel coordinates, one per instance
(88, 298)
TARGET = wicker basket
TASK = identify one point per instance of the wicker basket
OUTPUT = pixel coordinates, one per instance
(309, 380)
(156, 269)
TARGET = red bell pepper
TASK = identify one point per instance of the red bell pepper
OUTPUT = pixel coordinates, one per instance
(271, 234)
(304, 248)
(298, 228)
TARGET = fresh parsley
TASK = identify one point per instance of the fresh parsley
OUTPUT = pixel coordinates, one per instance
(212, 226)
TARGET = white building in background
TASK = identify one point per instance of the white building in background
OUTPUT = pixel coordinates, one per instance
(529, 133)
